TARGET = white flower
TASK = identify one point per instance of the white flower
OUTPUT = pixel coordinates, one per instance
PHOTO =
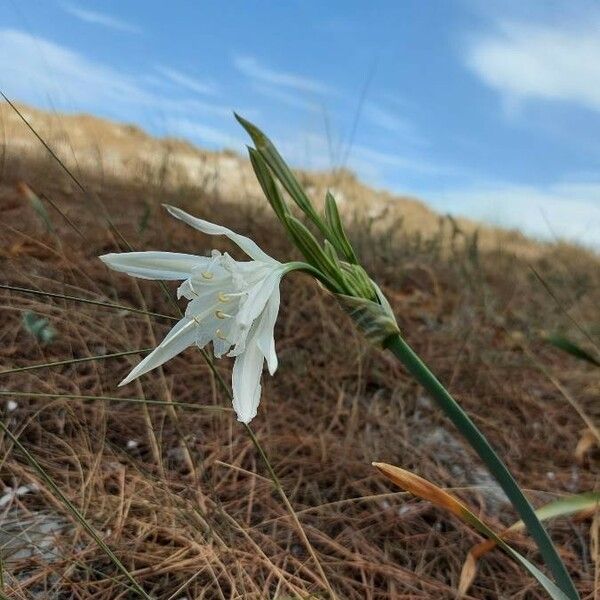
(232, 304)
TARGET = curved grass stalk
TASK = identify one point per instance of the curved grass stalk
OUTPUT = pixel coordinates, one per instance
(71, 361)
(117, 399)
(493, 462)
(86, 301)
(275, 480)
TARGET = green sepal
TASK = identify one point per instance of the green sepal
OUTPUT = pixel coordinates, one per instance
(282, 172)
(331, 252)
(334, 222)
(313, 253)
(268, 185)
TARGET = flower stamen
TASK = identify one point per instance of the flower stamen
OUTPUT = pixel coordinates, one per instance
(221, 315)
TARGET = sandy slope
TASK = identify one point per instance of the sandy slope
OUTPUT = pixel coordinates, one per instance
(104, 148)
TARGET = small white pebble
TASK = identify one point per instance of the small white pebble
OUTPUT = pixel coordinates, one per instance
(131, 444)
(11, 405)
(550, 475)
(7, 498)
(12, 493)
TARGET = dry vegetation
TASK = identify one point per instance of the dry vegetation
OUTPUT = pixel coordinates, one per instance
(180, 493)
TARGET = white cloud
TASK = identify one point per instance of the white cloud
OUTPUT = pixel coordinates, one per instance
(568, 210)
(205, 134)
(388, 120)
(99, 18)
(559, 62)
(33, 69)
(396, 161)
(36, 70)
(186, 81)
(384, 169)
(287, 98)
(252, 68)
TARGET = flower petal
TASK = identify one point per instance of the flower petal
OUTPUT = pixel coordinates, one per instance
(265, 338)
(247, 370)
(246, 244)
(154, 265)
(258, 296)
(182, 335)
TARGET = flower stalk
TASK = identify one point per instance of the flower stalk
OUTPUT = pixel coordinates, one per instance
(342, 274)
(444, 400)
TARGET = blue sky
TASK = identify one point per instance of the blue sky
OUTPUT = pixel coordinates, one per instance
(486, 109)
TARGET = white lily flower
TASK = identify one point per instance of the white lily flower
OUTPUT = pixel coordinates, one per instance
(232, 304)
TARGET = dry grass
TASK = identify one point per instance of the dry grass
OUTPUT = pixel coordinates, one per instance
(181, 495)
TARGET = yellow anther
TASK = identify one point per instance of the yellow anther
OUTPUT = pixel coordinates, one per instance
(220, 335)
(221, 315)
(207, 275)
(223, 297)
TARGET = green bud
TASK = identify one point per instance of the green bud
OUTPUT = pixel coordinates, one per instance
(268, 185)
(374, 318)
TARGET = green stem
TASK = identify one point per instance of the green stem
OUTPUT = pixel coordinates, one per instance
(494, 463)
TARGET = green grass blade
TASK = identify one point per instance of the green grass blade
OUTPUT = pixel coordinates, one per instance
(566, 345)
(493, 462)
(564, 506)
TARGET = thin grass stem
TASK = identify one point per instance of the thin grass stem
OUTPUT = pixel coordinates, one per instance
(74, 361)
(86, 301)
(186, 405)
(291, 510)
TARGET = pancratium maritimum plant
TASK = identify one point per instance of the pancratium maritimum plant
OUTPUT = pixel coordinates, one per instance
(233, 304)
(339, 270)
